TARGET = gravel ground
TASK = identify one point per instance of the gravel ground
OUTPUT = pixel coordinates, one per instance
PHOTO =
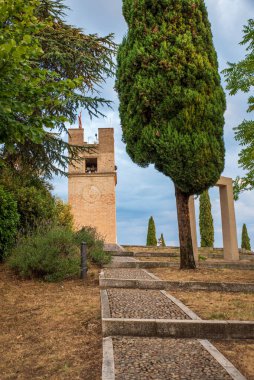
(164, 359)
(127, 274)
(146, 304)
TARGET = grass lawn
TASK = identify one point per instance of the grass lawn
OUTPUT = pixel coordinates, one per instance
(240, 353)
(49, 330)
(204, 274)
(216, 305)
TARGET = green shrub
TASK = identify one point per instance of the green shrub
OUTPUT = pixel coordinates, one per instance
(151, 239)
(95, 245)
(62, 214)
(36, 207)
(9, 219)
(51, 255)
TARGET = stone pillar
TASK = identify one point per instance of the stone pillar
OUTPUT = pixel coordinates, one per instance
(231, 252)
(193, 227)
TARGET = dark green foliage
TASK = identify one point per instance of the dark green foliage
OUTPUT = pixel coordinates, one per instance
(49, 69)
(245, 239)
(206, 220)
(27, 90)
(48, 254)
(95, 245)
(239, 77)
(53, 253)
(151, 239)
(75, 56)
(36, 205)
(171, 100)
(163, 244)
(9, 219)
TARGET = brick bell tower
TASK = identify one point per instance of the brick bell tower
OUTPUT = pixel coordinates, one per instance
(91, 184)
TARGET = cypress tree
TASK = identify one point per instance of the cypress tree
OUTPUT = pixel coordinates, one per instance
(151, 233)
(171, 101)
(245, 239)
(206, 220)
(163, 241)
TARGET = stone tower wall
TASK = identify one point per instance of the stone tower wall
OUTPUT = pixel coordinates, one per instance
(92, 196)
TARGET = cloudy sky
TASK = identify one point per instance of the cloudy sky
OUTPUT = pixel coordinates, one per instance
(145, 192)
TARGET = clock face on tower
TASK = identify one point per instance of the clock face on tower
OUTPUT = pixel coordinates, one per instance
(91, 194)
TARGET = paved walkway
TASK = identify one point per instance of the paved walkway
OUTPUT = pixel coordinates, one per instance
(158, 358)
(142, 304)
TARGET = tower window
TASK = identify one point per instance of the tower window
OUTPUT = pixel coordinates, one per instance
(91, 165)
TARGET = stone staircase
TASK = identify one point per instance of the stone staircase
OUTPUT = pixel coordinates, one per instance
(148, 334)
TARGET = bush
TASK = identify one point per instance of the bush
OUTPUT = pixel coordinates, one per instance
(51, 255)
(95, 245)
(9, 219)
(63, 215)
(36, 207)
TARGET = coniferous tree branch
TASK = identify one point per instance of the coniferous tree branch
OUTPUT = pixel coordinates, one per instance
(67, 69)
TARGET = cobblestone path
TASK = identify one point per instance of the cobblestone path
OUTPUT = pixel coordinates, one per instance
(127, 274)
(156, 358)
(142, 304)
(138, 358)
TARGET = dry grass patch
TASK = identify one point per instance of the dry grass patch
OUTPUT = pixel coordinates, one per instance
(205, 274)
(49, 330)
(240, 353)
(221, 306)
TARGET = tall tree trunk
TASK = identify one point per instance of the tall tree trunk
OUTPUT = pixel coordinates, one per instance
(187, 260)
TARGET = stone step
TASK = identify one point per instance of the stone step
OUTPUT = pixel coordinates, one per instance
(130, 262)
(143, 331)
(178, 328)
(149, 283)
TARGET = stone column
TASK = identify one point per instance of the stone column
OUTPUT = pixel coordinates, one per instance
(231, 252)
(193, 227)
